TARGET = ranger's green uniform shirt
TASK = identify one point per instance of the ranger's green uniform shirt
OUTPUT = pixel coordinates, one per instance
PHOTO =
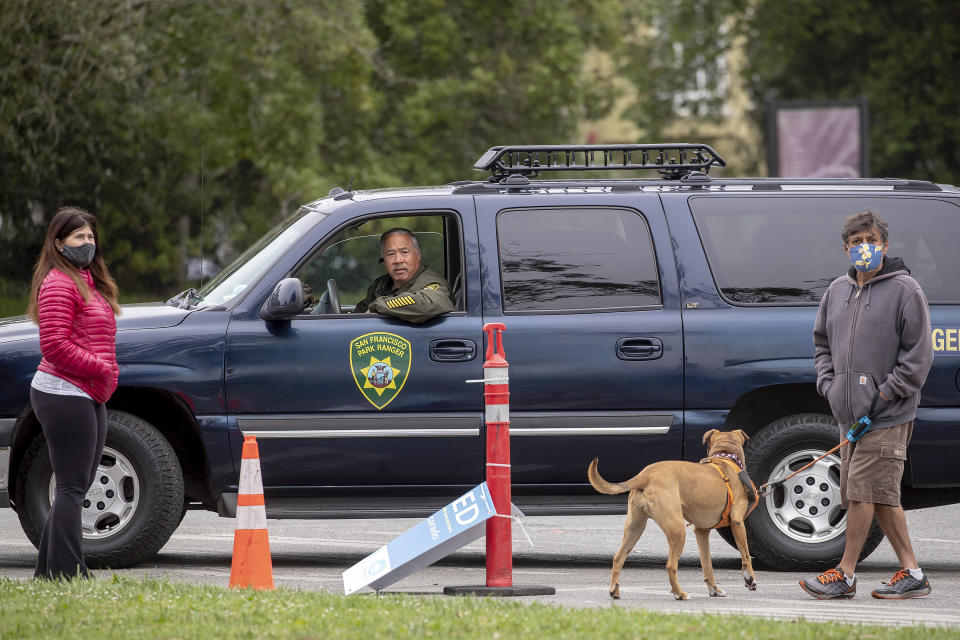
(422, 297)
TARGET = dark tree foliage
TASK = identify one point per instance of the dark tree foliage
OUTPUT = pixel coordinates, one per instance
(111, 105)
(468, 75)
(902, 56)
(676, 62)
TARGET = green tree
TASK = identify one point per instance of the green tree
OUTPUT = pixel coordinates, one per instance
(465, 76)
(62, 69)
(111, 105)
(901, 56)
(114, 103)
(676, 62)
(274, 100)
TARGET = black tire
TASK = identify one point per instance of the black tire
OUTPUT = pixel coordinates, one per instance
(149, 494)
(781, 535)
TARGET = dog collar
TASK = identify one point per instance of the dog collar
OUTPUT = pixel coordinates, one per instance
(729, 456)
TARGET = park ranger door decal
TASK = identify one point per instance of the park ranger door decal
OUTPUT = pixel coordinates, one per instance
(380, 363)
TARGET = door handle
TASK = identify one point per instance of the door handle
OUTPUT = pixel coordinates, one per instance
(453, 350)
(639, 348)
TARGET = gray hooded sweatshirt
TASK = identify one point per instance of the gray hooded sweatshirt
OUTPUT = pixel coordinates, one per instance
(877, 336)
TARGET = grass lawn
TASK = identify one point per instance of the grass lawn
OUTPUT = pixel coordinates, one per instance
(130, 609)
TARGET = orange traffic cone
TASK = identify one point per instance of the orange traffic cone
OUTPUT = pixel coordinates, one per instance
(251, 547)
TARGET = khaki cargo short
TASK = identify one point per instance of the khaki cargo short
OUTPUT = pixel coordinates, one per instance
(872, 467)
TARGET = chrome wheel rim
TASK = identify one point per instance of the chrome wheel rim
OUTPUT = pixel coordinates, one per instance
(807, 508)
(112, 500)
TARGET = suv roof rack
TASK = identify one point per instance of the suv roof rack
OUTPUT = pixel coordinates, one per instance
(698, 180)
(673, 160)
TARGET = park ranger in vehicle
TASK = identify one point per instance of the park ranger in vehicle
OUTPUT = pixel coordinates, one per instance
(409, 290)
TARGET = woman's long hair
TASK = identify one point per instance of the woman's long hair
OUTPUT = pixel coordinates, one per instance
(65, 221)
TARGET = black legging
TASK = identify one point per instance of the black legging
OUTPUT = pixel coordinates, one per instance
(75, 429)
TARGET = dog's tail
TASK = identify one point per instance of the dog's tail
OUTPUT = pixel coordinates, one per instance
(602, 485)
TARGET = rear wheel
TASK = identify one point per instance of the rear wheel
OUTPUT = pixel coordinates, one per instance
(799, 525)
(134, 504)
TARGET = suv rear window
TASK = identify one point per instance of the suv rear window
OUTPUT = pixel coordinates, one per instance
(787, 250)
(576, 259)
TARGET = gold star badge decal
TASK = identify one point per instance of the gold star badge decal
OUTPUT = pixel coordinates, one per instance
(379, 375)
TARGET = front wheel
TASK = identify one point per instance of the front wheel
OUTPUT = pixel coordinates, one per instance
(134, 504)
(799, 525)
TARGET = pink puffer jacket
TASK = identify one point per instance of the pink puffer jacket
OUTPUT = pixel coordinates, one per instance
(77, 337)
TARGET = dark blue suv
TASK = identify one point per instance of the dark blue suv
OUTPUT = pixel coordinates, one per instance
(639, 313)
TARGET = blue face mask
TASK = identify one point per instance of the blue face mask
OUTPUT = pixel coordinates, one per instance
(866, 257)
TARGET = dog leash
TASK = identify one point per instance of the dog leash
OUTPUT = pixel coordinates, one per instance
(857, 430)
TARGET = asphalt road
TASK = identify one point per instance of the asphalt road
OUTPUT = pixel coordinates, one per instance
(571, 554)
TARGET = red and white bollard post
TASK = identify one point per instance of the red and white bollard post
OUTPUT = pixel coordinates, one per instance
(496, 393)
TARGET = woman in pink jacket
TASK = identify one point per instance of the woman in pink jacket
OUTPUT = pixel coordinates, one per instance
(74, 301)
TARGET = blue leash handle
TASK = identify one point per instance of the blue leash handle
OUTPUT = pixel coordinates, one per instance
(863, 425)
(859, 428)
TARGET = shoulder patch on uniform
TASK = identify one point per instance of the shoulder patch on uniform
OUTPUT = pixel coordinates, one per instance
(400, 301)
(433, 285)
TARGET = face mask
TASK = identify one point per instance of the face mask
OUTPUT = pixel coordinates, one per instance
(81, 256)
(866, 257)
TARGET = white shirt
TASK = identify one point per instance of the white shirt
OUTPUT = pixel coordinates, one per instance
(49, 383)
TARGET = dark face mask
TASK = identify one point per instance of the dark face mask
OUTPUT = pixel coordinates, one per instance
(80, 256)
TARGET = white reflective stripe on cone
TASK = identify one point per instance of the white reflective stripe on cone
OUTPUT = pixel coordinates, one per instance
(250, 476)
(250, 482)
(252, 517)
(495, 376)
(497, 413)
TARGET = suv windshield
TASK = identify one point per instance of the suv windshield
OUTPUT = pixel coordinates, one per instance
(251, 264)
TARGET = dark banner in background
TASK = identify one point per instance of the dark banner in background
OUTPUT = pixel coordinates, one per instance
(818, 139)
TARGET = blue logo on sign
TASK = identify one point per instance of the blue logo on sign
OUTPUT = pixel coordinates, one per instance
(376, 568)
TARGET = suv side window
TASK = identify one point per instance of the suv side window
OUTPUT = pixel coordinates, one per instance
(787, 250)
(576, 258)
(352, 257)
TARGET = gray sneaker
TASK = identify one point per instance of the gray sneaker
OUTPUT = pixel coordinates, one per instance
(829, 585)
(903, 585)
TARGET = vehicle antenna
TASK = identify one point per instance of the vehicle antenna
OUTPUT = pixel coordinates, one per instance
(201, 217)
(350, 186)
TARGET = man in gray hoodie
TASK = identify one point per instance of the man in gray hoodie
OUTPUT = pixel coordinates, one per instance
(872, 339)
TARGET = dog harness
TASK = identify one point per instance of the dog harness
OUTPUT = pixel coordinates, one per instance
(717, 461)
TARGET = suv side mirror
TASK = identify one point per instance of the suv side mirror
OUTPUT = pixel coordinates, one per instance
(285, 302)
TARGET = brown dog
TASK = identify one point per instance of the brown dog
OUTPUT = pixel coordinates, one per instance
(672, 491)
